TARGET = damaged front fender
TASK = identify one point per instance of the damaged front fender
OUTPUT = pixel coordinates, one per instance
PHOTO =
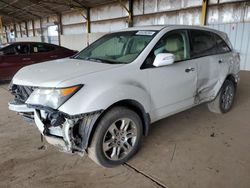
(68, 133)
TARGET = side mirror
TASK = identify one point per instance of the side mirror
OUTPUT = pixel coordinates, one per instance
(163, 59)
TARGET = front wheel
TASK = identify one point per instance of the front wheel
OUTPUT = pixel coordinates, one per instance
(117, 137)
(224, 100)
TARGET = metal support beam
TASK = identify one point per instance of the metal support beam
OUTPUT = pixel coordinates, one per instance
(129, 11)
(60, 26)
(81, 7)
(39, 3)
(20, 9)
(33, 28)
(5, 14)
(41, 29)
(59, 3)
(204, 12)
(26, 29)
(86, 16)
(20, 29)
(88, 20)
(7, 38)
(15, 31)
(1, 30)
(81, 4)
(130, 8)
(85, 12)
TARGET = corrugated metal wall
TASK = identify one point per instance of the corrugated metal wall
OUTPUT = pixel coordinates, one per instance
(239, 35)
(110, 17)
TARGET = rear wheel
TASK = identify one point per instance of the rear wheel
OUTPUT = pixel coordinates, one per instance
(224, 100)
(117, 137)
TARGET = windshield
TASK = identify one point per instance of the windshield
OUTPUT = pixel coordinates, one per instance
(117, 48)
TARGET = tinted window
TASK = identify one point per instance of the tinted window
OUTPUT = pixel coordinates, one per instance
(10, 50)
(222, 47)
(41, 48)
(16, 49)
(22, 49)
(202, 43)
(175, 42)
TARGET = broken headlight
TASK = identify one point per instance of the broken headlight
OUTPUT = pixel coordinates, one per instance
(52, 97)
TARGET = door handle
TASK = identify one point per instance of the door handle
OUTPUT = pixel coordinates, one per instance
(26, 59)
(220, 61)
(189, 69)
(54, 56)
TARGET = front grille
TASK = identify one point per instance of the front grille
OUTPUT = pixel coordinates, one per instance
(21, 93)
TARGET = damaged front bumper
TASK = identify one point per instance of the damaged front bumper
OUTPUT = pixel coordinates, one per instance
(23, 110)
(66, 132)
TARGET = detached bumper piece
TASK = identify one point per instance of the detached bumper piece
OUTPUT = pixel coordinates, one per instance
(68, 133)
(23, 110)
(21, 94)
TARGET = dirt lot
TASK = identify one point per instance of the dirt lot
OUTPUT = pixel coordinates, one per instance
(194, 148)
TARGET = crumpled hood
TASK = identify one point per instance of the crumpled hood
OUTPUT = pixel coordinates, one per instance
(51, 73)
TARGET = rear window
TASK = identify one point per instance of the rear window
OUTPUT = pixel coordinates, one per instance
(222, 46)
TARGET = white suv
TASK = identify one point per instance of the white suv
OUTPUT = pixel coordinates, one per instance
(103, 100)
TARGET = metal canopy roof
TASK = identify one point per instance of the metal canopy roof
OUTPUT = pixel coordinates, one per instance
(23, 10)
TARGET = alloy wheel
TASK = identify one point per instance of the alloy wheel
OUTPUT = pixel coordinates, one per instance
(227, 97)
(119, 139)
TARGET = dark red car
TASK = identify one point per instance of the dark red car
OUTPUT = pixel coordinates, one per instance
(17, 55)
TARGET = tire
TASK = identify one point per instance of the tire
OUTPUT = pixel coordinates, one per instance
(119, 128)
(225, 98)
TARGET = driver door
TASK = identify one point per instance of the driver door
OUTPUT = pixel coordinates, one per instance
(172, 87)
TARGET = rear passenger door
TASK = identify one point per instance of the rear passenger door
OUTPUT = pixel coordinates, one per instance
(204, 53)
(13, 58)
(225, 56)
(43, 52)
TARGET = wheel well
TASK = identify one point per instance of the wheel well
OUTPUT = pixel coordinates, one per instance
(231, 78)
(132, 105)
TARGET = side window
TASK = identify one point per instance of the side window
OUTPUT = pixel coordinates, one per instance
(175, 42)
(222, 46)
(38, 48)
(22, 49)
(16, 49)
(203, 43)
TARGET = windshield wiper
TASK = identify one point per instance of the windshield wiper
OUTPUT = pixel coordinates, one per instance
(99, 60)
(95, 59)
(76, 57)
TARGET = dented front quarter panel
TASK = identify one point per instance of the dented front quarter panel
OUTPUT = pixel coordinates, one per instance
(127, 83)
